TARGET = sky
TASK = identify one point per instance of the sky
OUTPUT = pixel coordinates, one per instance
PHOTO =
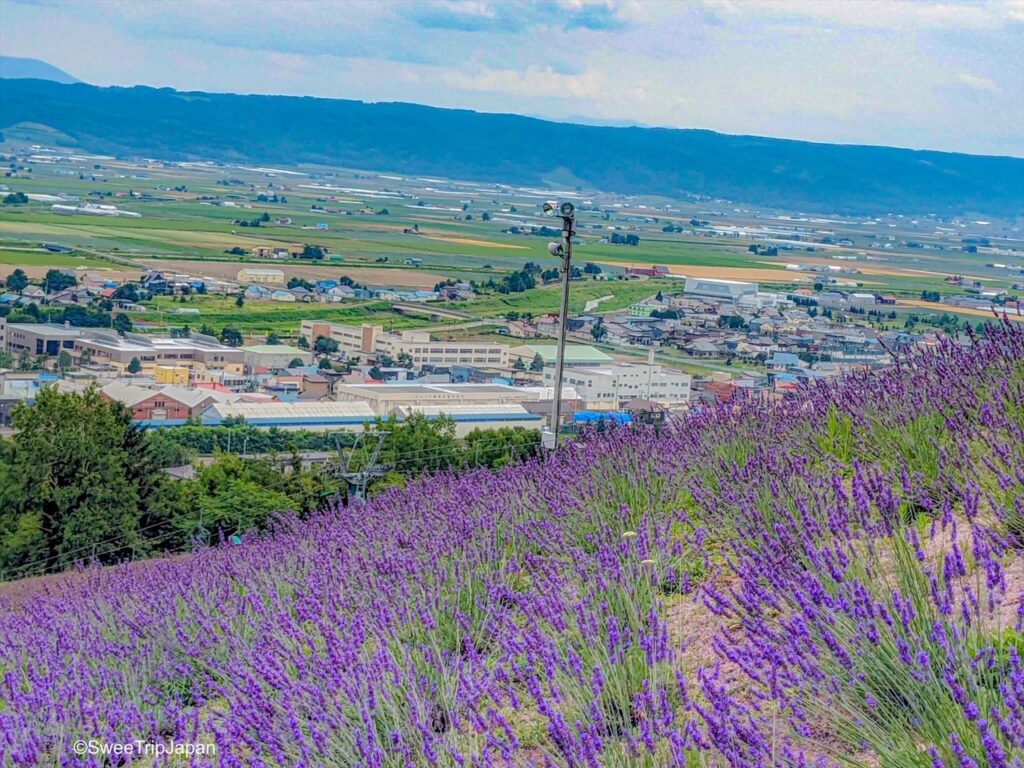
(942, 74)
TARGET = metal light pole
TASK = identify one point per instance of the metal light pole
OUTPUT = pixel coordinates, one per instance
(567, 212)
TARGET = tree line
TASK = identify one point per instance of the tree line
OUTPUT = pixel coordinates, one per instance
(79, 481)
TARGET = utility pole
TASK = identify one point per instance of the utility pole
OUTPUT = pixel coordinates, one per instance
(567, 212)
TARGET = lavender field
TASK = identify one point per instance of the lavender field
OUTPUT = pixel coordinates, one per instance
(836, 581)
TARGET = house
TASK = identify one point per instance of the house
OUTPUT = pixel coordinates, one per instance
(339, 293)
(782, 361)
(33, 292)
(252, 275)
(701, 349)
(257, 293)
(154, 282)
(520, 329)
(282, 295)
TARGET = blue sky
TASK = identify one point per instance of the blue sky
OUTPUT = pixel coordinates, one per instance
(942, 74)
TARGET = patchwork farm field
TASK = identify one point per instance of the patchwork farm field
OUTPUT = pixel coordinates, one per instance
(836, 581)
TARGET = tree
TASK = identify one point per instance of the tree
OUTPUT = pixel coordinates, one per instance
(519, 365)
(298, 282)
(134, 365)
(127, 292)
(79, 481)
(232, 337)
(598, 331)
(324, 364)
(64, 361)
(273, 339)
(659, 297)
(303, 343)
(6, 360)
(17, 281)
(325, 346)
(56, 280)
(16, 198)
(485, 216)
(240, 301)
(122, 324)
(591, 269)
(265, 216)
(538, 363)
(296, 362)
(405, 360)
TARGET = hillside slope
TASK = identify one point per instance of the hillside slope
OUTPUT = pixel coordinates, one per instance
(834, 581)
(15, 67)
(506, 148)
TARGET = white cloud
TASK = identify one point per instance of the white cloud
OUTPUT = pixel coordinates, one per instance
(976, 83)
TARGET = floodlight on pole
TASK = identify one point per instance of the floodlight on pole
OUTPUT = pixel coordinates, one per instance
(567, 212)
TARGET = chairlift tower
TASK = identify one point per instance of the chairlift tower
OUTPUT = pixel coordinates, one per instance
(358, 480)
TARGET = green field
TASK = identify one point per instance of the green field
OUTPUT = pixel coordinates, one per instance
(259, 318)
(188, 213)
(39, 258)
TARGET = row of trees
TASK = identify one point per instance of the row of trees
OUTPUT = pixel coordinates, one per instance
(79, 481)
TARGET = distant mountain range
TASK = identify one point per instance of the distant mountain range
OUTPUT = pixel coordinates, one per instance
(413, 139)
(14, 67)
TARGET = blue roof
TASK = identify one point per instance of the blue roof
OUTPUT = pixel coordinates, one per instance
(784, 358)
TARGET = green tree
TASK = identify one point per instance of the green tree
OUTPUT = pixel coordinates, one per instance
(240, 301)
(122, 324)
(598, 331)
(538, 363)
(324, 364)
(303, 343)
(325, 346)
(134, 365)
(15, 198)
(404, 360)
(519, 365)
(296, 362)
(273, 338)
(232, 337)
(64, 361)
(79, 481)
(17, 281)
(56, 280)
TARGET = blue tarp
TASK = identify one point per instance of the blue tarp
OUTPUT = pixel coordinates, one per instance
(593, 417)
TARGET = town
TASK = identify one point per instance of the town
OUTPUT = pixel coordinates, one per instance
(324, 375)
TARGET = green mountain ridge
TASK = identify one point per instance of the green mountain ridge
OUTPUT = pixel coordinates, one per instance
(414, 139)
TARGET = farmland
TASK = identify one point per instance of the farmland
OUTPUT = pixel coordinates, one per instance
(835, 581)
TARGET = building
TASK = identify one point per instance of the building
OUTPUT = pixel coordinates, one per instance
(722, 290)
(260, 275)
(468, 418)
(383, 399)
(174, 375)
(370, 341)
(575, 354)
(608, 386)
(37, 338)
(270, 252)
(196, 352)
(274, 356)
(313, 416)
(167, 403)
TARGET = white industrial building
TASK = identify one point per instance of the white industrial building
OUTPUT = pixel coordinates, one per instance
(383, 399)
(608, 386)
(723, 290)
(371, 340)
